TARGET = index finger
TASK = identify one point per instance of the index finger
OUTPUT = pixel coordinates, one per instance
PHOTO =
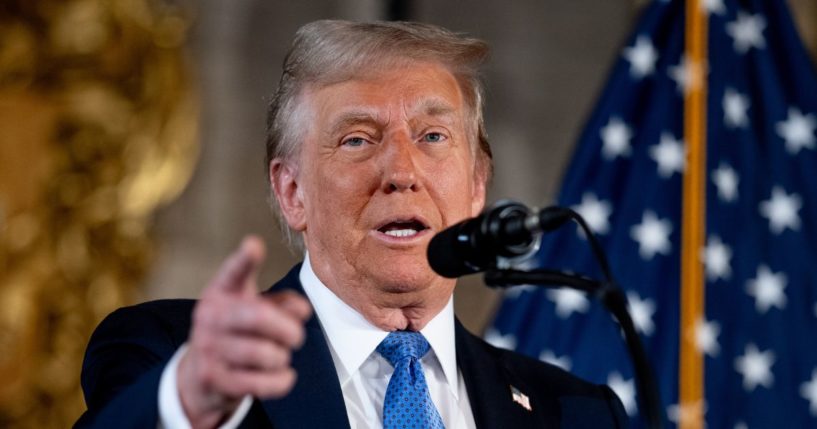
(242, 265)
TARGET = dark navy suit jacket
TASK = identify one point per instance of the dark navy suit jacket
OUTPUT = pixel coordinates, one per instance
(130, 348)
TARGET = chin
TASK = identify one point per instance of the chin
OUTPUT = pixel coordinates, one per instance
(401, 276)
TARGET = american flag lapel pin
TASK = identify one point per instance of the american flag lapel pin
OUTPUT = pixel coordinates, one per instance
(520, 398)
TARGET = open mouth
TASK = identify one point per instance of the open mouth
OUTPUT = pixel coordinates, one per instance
(403, 228)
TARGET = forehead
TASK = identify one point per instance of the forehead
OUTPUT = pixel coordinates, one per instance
(413, 89)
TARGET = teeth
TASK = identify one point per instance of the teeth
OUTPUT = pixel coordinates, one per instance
(401, 232)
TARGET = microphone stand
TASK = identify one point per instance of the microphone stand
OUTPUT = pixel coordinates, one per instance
(611, 296)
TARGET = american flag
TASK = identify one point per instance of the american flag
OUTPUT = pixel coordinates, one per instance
(758, 333)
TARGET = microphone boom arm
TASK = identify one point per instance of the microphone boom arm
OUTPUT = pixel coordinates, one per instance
(607, 292)
(556, 279)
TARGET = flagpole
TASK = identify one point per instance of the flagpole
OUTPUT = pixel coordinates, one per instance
(691, 367)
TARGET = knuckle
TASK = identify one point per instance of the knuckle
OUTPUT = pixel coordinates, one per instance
(256, 386)
(297, 336)
(246, 315)
(289, 379)
(299, 305)
(204, 344)
(232, 352)
(250, 353)
(207, 376)
(279, 384)
(286, 329)
(279, 358)
(285, 359)
(207, 315)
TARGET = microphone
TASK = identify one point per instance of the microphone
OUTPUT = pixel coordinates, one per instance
(508, 231)
(505, 231)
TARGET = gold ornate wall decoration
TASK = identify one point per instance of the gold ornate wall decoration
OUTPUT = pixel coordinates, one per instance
(98, 125)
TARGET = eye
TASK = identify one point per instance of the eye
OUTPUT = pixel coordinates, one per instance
(434, 137)
(354, 142)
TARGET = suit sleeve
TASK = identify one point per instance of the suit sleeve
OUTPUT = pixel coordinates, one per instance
(122, 368)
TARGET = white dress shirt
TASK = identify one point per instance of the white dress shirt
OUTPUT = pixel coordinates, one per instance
(362, 373)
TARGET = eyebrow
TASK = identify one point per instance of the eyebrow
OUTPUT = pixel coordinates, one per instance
(437, 108)
(351, 118)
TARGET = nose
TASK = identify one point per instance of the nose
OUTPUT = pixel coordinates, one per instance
(400, 169)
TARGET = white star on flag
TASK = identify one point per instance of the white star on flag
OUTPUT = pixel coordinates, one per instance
(716, 259)
(735, 107)
(767, 289)
(747, 32)
(714, 6)
(669, 154)
(687, 74)
(642, 57)
(616, 137)
(755, 367)
(560, 361)
(706, 337)
(652, 235)
(808, 391)
(625, 390)
(568, 301)
(781, 210)
(641, 311)
(496, 339)
(726, 180)
(595, 212)
(797, 130)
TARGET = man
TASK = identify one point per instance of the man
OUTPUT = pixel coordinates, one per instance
(375, 143)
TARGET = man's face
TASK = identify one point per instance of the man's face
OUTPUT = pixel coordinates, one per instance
(385, 165)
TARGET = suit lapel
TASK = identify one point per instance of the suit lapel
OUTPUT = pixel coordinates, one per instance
(316, 400)
(489, 384)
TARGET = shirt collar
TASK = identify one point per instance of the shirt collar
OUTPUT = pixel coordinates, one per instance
(352, 338)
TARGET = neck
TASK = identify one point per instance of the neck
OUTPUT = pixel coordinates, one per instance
(388, 306)
(406, 311)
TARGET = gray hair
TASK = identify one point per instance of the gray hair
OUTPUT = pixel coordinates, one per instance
(331, 51)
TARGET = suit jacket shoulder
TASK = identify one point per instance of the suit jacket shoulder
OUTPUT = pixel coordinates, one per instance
(508, 389)
(124, 361)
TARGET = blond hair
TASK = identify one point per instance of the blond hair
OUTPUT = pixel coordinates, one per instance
(331, 51)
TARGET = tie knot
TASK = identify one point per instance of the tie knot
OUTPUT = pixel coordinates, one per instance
(399, 345)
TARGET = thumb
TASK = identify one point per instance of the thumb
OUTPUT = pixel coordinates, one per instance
(241, 267)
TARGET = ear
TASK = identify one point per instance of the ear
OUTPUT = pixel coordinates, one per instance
(283, 177)
(479, 188)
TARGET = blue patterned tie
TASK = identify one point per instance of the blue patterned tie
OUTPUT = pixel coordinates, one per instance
(407, 404)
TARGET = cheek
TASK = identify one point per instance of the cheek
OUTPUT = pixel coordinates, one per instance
(456, 196)
(340, 189)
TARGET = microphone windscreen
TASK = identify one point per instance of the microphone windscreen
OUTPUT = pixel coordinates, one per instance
(444, 255)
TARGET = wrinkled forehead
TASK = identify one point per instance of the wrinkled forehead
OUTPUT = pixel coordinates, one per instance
(416, 91)
(370, 66)
(409, 89)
